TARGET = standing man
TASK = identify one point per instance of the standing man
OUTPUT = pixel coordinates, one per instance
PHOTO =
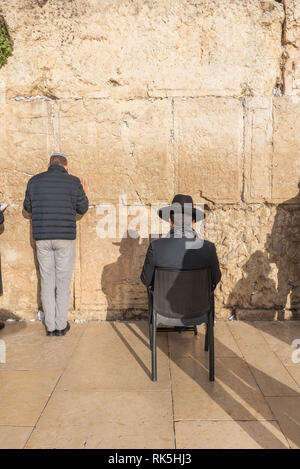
(54, 198)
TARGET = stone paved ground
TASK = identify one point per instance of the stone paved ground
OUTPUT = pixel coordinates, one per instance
(92, 389)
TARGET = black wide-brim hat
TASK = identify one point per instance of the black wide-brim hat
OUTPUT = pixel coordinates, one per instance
(184, 205)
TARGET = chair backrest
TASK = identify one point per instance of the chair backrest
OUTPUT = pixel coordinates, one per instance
(182, 294)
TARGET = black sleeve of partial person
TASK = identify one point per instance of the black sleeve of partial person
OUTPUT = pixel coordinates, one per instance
(1, 218)
(148, 268)
(82, 202)
(27, 202)
(215, 268)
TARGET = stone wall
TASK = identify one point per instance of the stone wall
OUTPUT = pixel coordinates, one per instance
(151, 98)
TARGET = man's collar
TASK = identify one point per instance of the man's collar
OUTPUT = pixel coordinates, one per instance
(182, 232)
(57, 167)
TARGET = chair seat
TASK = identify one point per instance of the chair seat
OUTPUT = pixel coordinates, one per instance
(194, 321)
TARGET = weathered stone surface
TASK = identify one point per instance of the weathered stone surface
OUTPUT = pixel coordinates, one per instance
(249, 277)
(272, 148)
(120, 147)
(292, 47)
(258, 149)
(208, 134)
(26, 141)
(20, 273)
(132, 49)
(256, 276)
(110, 286)
(286, 143)
(148, 99)
(20, 281)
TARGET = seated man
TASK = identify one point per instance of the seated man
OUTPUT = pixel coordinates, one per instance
(181, 249)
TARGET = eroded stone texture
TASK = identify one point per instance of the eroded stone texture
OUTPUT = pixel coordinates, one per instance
(20, 273)
(110, 286)
(258, 149)
(240, 234)
(121, 147)
(286, 143)
(148, 99)
(129, 49)
(208, 134)
(26, 141)
(252, 244)
(291, 39)
(272, 148)
(256, 274)
(20, 281)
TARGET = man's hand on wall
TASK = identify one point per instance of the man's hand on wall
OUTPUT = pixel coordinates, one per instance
(84, 183)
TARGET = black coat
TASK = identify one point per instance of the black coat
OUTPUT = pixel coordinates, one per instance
(1, 221)
(54, 198)
(172, 253)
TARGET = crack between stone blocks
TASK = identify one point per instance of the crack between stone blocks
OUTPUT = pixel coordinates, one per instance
(33, 98)
(172, 142)
(55, 99)
(243, 188)
(284, 52)
(55, 131)
(17, 171)
(272, 156)
(136, 191)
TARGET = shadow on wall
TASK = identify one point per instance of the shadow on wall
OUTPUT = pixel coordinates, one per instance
(120, 280)
(256, 290)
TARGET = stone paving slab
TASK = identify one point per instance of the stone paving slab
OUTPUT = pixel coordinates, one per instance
(92, 388)
(105, 419)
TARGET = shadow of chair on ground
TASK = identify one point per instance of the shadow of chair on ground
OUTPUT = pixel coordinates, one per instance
(230, 391)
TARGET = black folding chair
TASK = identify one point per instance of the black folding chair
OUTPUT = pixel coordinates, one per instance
(182, 299)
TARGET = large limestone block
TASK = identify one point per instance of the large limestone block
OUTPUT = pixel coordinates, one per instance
(292, 47)
(272, 149)
(120, 147)
(251, 273)
(258, 149)
(110, 268)
(286, 144)
(208, 136)
(19, 268)
(131, 49)
(20, 271)
(26, 142)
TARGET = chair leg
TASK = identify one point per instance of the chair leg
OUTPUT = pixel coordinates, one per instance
(211, 351)
(150, 332)
(206, 338)
(150, 307)
(154, 354)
